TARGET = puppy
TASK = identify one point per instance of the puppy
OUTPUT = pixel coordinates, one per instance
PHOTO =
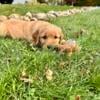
(38, 33)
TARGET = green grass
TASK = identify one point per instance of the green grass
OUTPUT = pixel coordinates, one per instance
(77, 75)
(22, 9)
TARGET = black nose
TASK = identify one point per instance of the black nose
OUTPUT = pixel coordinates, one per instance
(49, 46)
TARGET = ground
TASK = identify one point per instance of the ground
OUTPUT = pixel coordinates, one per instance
(77, 76)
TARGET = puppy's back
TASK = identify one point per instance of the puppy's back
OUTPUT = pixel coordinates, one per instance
(12, 28)
(3, 29)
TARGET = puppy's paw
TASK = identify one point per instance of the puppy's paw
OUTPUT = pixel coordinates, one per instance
(69, 47)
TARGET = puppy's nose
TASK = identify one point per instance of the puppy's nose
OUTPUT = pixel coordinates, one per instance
(49, 46)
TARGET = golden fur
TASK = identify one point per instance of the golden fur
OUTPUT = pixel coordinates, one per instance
(37, 32)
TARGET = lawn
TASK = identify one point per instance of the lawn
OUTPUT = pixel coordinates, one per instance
(22, 9)
(77, 76)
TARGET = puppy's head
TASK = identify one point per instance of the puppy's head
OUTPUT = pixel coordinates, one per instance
(51, 36)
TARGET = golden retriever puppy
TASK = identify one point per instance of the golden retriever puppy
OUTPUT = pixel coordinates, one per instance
(39, 33)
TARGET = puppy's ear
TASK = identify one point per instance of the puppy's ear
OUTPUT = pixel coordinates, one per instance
(35, 38)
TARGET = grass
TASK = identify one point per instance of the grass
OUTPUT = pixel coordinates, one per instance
(22, 9)
(77, 75)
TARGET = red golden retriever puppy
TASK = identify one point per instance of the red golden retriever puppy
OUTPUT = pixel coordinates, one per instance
(39, 33)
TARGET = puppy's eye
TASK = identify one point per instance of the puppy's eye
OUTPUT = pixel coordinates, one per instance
(44, 37)
(55, 37)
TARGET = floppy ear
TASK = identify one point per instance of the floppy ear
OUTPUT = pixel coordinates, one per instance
(35, 38)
